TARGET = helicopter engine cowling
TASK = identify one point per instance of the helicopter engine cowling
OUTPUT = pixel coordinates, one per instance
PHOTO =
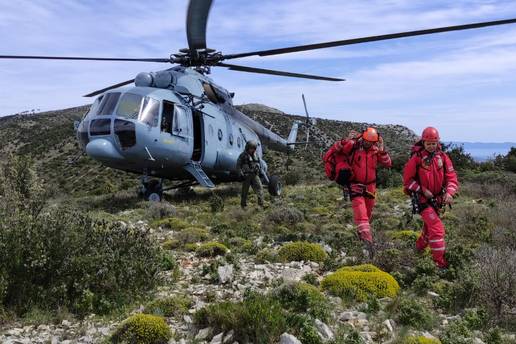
(161, 79)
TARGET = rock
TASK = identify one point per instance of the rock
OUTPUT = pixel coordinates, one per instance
(204, 333)
(428, 335)
(324, 330)
(292, 275)
(289, 339)
(217, 339)
(225, 273)
(433, 294)
(66, 323)
(229, 337)
(388, 325)
(478, 341)
(346, 316)
(359, 315)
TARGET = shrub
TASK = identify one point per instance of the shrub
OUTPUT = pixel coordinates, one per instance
(171, 244)
(267, 255)
(238, 244)
(62, 258)
(301, 297)
(160, 210)
(216, 203)
(360, 282)
(258, 319)
(456, 332)
(303, 327)
(144, 329)
(192, 234)
(419, 340)
(285, 216)
(211, 249)
(171, 223)
(293, 177)
(407, 236)
(412, 313)
(302, 250)
(497, 271)
(170, 306)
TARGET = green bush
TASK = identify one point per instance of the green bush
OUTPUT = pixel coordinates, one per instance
(170, 306)
(456, 332)
(285, 216)
(267, 255)
(258, 319)
(414, 314)
(160, 210)
(216, 203)
(360, 282)
(302, 251)
(192, 235)
(303, 298)
(419, 340)
(173, 223)
(62, 258)
(211, 249)
(171, 244)
(407, 235)
(142, 329)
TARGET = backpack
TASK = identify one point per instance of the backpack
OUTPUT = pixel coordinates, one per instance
(342, 176)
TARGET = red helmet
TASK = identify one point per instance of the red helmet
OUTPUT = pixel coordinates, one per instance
(370, 135)
(430, 134)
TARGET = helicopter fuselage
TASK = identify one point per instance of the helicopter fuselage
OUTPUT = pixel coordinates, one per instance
(157, 131)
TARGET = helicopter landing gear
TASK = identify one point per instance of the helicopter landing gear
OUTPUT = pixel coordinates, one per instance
(274, 186)
(152, 190)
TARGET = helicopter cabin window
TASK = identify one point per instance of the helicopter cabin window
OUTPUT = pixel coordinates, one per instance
(180, 124)
(167, 116)
(108, 104)
(129, 106)
(150, 112)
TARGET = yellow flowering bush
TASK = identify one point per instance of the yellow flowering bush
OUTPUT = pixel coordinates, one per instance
(142, 329)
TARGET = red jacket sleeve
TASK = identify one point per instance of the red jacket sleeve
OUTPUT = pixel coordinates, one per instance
(345, 146)
(451, 182)
(384, 159)
(409, 175)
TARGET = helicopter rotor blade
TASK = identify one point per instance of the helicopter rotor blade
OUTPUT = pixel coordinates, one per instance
(196, 22)
(370, 39)
(85, 58)
(93, 94)
(275, 72)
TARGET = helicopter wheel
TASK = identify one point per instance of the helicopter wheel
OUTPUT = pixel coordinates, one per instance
(274, 186)
(153, 191)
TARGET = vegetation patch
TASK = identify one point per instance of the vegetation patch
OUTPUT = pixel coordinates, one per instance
(211, 249)
(170, 306)
(192, 234)
(419, 340)
(144, 329)
(360, 282)
(303, 298)
(413, 313)
(302, 251)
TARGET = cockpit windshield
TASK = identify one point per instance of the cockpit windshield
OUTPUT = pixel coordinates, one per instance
(129, 106)
(150, 112)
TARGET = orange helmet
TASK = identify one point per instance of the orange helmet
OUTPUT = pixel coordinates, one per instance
(370, 134)
(430, 134)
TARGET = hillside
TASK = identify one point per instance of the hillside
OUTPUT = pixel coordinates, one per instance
(93, 263)
(49, 139)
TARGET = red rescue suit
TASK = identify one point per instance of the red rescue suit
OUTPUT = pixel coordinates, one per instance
(435, 173)
(363, 163)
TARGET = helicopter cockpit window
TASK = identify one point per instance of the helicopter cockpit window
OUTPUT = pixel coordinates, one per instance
(94, 107)
(129, 106)
(108, 103)
(150, 112)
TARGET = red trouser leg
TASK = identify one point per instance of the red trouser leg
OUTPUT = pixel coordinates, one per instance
(362, 209)
(422, 241)
(435, 236)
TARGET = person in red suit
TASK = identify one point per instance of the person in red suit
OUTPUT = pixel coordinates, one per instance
(356, 159)
(430, 174)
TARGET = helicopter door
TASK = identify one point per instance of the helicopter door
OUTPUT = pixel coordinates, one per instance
(197, 136)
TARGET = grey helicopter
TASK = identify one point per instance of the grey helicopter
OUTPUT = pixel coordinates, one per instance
(177, 124)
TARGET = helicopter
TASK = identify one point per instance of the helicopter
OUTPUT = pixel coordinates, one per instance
(177, 124)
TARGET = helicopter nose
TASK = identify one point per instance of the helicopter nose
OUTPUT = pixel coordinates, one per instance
(102, 149)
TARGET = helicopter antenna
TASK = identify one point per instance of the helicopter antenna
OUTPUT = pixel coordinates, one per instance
(307, 122)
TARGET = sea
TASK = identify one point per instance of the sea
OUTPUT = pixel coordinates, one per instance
(482, 151)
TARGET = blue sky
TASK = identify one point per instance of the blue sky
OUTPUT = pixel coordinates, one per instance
(463, 83)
